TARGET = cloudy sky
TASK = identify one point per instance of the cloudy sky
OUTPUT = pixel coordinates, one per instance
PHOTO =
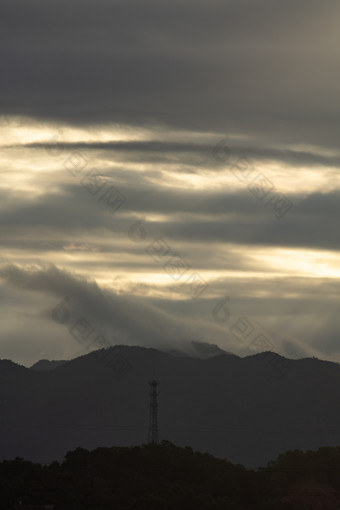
(169, 172)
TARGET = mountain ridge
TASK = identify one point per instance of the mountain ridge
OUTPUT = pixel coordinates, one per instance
(245, 409)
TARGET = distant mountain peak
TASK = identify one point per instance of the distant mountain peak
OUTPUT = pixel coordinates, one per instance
(267, 354)
(45, 364)
(236, 407)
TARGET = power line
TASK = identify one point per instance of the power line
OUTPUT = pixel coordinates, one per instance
(165, 427)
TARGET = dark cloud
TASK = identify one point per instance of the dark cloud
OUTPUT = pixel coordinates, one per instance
(309, 325)
(220, 217)
(217, 66)
(263, 76)
(204, 151)
(121, 319)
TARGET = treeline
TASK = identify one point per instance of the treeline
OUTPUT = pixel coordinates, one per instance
(168, 477)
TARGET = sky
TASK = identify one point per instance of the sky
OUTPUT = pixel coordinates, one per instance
(169, 173)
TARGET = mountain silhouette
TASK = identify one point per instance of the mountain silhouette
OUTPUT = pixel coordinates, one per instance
(247, 410)
(45, 364)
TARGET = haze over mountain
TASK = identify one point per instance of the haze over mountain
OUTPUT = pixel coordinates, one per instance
(247, 410)
(197, 349)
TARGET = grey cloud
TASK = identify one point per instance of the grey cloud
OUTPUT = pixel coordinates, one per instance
(256, 67)
(293, 351)
(203, 151)
(122, 319)
(266, 71)
(219, 217)
(128, 320)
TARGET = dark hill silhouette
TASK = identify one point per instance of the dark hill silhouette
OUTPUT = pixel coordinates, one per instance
(165, 477)
(45, 364)
(248, 410)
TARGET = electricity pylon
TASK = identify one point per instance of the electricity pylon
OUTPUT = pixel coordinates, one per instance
(153, 423)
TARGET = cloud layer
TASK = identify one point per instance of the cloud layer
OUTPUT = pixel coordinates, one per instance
(150, 146)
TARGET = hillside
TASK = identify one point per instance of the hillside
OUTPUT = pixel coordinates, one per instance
(167, 477)
(242, 409)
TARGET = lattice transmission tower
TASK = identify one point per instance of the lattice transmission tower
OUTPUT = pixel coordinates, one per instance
(153, 422)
